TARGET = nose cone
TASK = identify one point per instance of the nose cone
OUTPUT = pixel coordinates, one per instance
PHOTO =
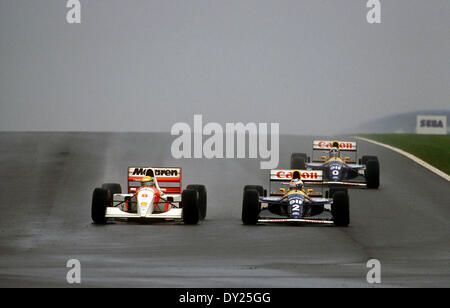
(335, 171)
(296, 205)
(145, 201)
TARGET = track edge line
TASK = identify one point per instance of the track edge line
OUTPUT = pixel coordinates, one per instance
(410, 156)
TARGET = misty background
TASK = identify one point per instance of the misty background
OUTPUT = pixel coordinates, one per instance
(314, 66)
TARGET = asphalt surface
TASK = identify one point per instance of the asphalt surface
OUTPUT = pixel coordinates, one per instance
(46, 181)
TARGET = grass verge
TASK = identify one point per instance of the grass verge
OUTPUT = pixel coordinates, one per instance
(434, 149)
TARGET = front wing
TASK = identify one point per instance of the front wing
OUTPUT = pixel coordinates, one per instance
(282, 220)
(114, 212)
(314, 219)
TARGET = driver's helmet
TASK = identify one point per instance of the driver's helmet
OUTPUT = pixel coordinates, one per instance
(147, 181)
(334, 152)
(296, 184)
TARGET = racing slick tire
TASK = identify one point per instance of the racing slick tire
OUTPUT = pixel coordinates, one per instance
(202, 198)
(298, 161)
(332, 191)
(250, 207)
(112, 188)
(366, 158)
(259, 188)
(372, 174)
(191, 211)
(340, 209)
(100, 200)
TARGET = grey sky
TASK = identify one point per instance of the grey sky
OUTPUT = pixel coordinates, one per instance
(144, 65)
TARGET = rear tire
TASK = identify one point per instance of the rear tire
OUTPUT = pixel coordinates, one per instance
(259, 188)
(332, 191)
(372, 174)
(298, 161)
(340, 209)
(112, 188)
(366, 158)
(250, 207)
(202, 198)
(190, 212)
(100, 200)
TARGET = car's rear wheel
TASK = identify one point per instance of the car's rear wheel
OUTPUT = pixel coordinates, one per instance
(100, 200)
(332, 191)
(298, 161)
(112, 188)
(202, 198)
(191, 211)
(340, 209)
(366, 158)
(372, 174)
(259, 188)
(250, 207)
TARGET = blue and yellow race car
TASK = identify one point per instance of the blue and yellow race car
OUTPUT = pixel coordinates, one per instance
(296, 204)
(337, 160)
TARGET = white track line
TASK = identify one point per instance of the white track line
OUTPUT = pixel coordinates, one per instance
(410, 156)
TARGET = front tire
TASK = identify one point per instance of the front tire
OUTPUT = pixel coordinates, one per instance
(100, 200)
(250, 207)
(340, 209)
(190, 212)
(298, 161)
(202, 196)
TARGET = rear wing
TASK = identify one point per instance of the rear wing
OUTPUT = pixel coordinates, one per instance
(284, 175)
(167, 179)
(326, 145)
(278, 176)
(321, 150)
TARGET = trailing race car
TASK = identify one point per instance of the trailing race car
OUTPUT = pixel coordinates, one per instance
(335, 159)
(295, 205)
(153, 193)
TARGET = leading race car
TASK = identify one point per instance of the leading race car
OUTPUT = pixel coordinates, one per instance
(335, 159)
(295, 205)
(153, 193)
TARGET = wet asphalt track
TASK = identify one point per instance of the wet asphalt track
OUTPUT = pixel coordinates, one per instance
(46, 180)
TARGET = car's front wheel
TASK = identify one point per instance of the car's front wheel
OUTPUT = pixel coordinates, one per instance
(250, 207)
(100, 200)
(202, 198)
(340, 209)
(191, 211)
(372, 173)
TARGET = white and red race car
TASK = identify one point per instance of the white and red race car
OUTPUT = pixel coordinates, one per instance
(153, 193)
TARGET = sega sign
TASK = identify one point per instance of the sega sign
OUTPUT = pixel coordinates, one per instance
(431, 124)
